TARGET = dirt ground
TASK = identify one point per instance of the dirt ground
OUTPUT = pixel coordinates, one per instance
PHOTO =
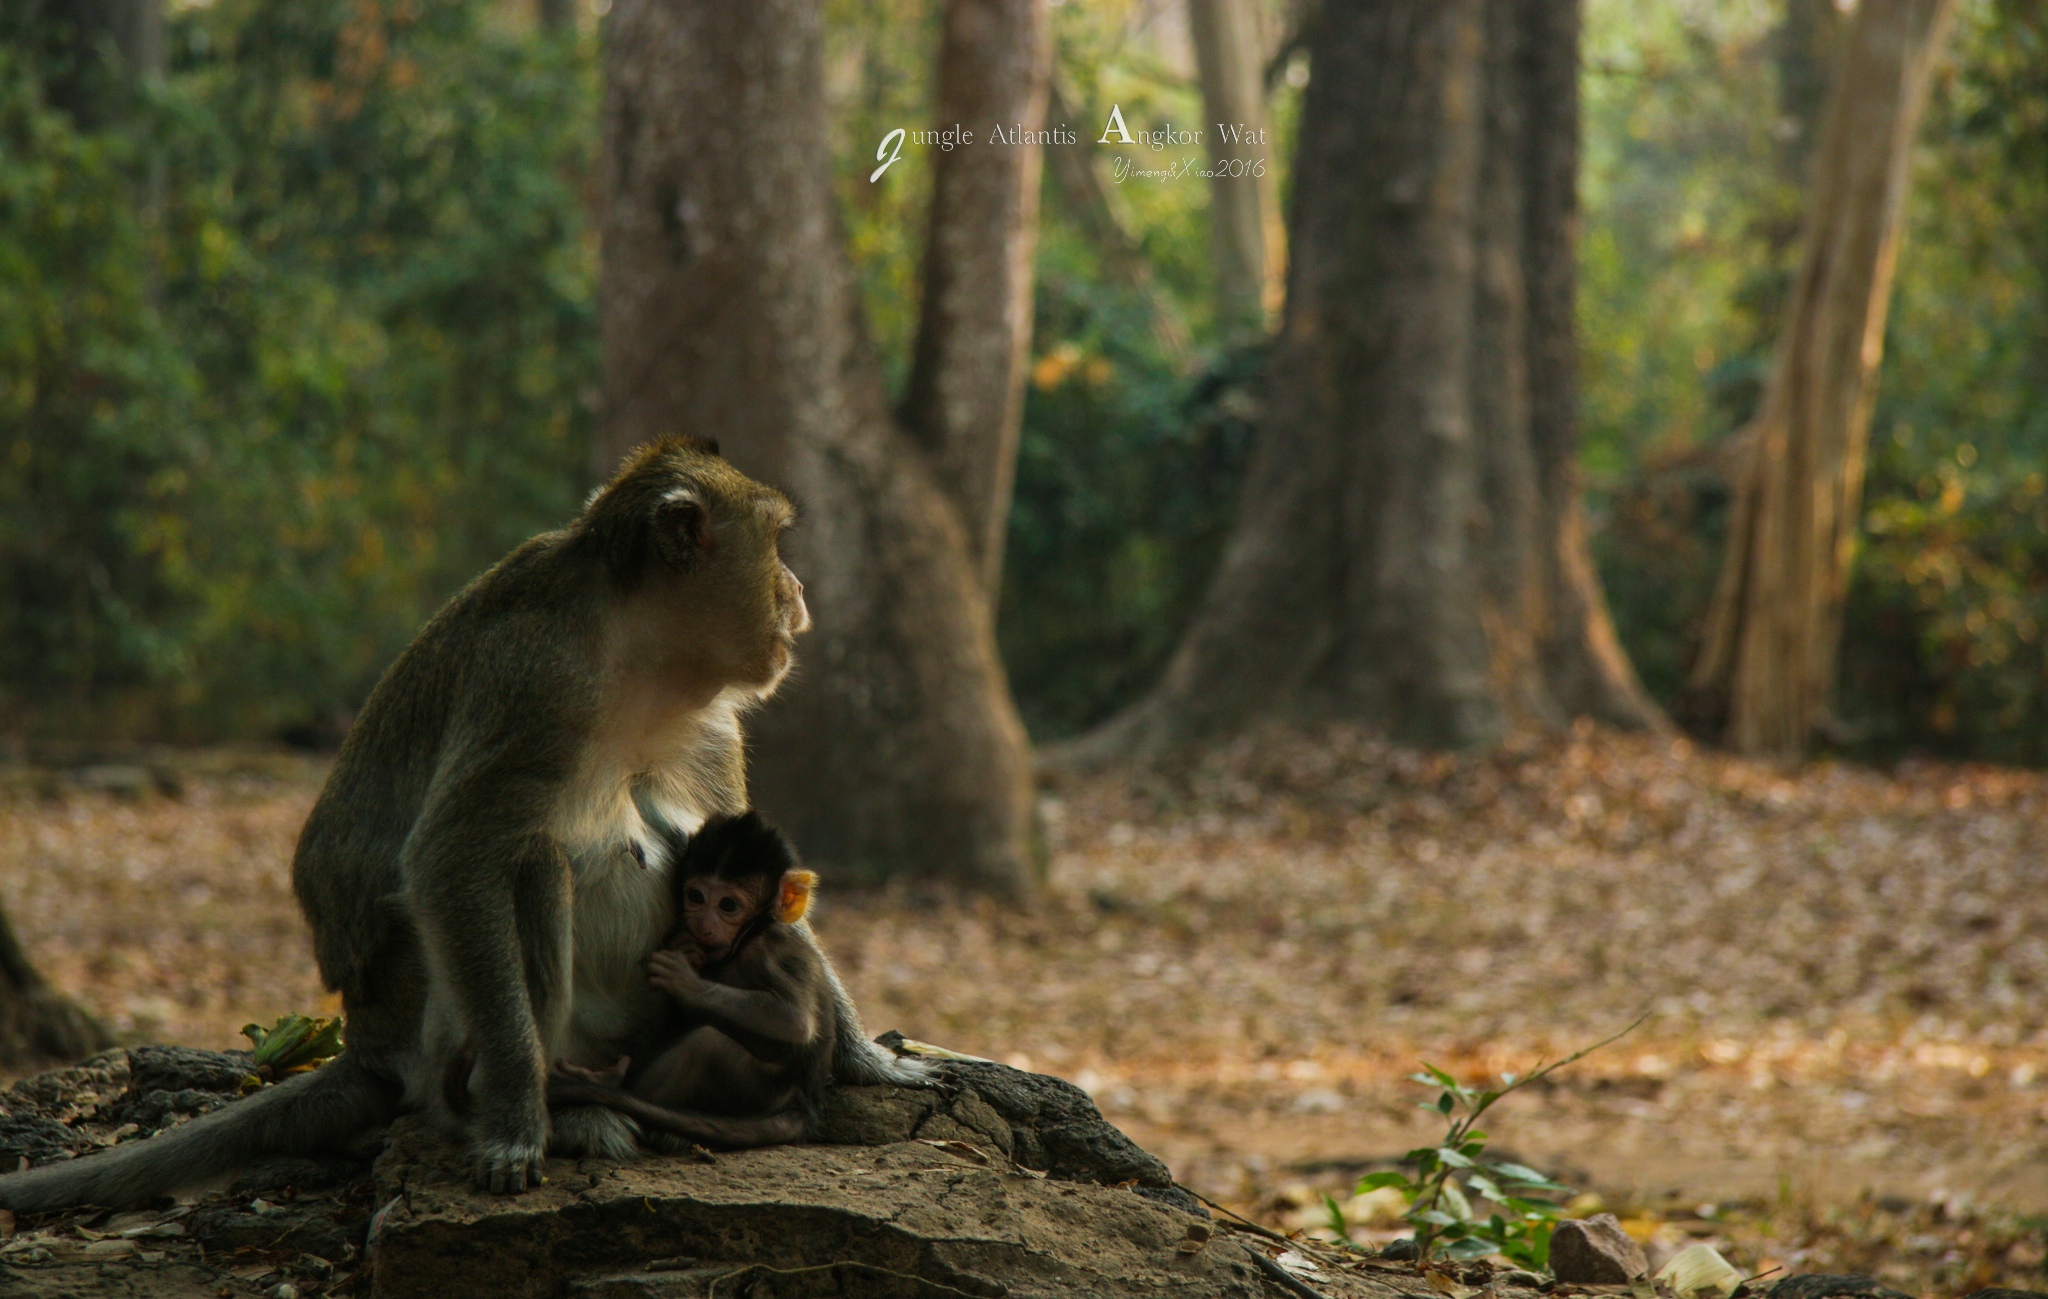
(1844, 1064)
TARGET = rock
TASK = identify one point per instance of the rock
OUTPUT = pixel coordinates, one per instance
(186, 1068)
(1595, 1251)
(38, 1115)
(123, 779)
(998, 1182)
(1817, 1285)
(1403, 1250)
(902, 1218)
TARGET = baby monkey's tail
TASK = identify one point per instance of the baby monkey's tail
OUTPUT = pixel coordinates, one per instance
(718, 1131)
(863, 1063)
(311, 1113)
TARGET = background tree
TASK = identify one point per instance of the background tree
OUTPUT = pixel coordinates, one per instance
(728, 311)
(965, 402)
(1766, 668)
(1244, 191)
(1409, 548)
(36, 1022)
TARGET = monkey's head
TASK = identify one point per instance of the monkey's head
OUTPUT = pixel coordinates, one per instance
(737, 875)
(683, 532)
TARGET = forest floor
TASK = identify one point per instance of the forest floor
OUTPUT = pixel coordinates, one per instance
(1844, 1065)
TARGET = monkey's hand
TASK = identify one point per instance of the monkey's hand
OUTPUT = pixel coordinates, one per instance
(669, 972)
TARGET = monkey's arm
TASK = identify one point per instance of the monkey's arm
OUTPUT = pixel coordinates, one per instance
(777, 1023)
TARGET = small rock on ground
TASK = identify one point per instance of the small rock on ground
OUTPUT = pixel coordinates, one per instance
(1595, 1251)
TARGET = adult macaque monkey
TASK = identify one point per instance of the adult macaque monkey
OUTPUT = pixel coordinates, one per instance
(485, 865)
(753, 1002)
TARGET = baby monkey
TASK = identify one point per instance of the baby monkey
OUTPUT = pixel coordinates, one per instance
(753, 997)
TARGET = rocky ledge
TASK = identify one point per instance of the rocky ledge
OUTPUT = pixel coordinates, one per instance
(997, 1183)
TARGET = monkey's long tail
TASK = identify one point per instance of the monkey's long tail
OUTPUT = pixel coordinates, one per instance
(308, 1114)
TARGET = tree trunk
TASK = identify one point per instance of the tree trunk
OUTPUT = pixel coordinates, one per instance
(1244, 192)
(729, 311)
(105, 49)
(556, 17)
(1767, 661)
(965, 401)
(1802, 47)
(1409, 549)
(37, 1023)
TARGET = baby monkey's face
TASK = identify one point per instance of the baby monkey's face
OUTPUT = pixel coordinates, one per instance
(714, 913)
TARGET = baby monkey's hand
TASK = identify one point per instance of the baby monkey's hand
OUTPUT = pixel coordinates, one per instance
(673, 973)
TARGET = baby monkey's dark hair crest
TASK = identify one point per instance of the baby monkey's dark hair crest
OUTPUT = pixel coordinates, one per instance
(745, 849)
(739, 848)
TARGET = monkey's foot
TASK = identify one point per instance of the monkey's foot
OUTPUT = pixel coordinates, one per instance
(592, 1131)
(507, 1167)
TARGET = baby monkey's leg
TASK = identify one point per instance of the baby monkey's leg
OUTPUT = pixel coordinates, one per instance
(708, 1071)
(705, 1089)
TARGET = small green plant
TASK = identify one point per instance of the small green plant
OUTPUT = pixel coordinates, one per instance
(294, 1044)
(1442, 1182)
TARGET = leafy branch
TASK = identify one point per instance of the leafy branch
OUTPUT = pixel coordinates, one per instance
(1440, 1176)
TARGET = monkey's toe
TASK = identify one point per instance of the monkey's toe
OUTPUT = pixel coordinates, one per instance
(506, 1169)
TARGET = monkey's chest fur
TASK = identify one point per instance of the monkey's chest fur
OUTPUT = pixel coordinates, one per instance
(610, 820)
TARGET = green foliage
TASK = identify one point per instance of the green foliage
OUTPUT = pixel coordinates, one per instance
(1690, 239)
(1126, 484)
(1444, 1181)
(88, 374)
(293, 1043)
(1129, 456)
(1944, 641)
(324, 350)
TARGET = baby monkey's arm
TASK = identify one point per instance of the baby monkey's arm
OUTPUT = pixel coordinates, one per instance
(775, 1023)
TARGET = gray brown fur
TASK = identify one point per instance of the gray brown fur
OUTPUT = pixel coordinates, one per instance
(472, 871)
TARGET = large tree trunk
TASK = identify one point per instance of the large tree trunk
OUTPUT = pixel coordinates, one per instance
(1767, 660)
(965, 402)
(1244, 192)
(1409, 548)
(107, 47)
(729, 312)
(37, 1023)
(556, 17)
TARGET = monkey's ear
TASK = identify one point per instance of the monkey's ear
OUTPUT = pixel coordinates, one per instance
(793, 899)
(682, 532)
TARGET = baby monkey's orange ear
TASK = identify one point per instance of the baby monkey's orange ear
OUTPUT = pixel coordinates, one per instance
(795, 896)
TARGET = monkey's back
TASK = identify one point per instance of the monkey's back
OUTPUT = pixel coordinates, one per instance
(505, 668)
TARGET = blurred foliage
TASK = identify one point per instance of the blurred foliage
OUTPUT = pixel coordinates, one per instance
(297, 341)
(302, 345)
(1691, 242)
(1128, 460)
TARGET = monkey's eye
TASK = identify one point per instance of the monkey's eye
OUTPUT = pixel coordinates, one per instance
(695, 897)
(729, 906)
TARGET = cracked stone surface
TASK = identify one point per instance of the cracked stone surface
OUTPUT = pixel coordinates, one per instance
(997, 1183)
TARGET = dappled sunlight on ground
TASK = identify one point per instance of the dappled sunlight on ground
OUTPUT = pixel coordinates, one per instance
(1845, 1058)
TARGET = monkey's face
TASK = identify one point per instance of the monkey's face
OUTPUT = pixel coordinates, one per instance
(716, 911)
(698, 544)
